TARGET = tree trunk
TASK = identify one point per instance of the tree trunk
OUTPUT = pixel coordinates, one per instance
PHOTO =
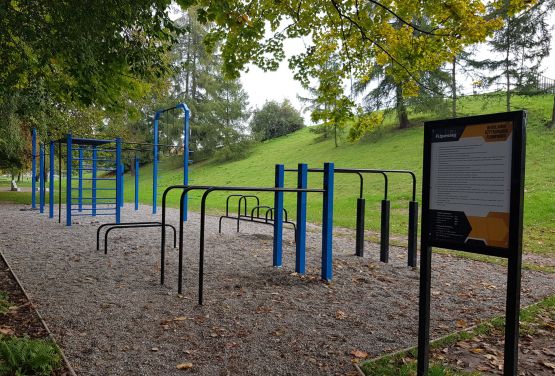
(335, 133)
(401, 108)
(454, 88)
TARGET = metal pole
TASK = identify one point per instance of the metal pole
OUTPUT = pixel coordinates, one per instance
(93, 182)
(413, 225)
(80, 190)
(41, 177)
(52, 153)
(327, 222)
(60, 182)
(384, 231)
(34, 170)
(155, 163)
(186, 135)
(300, 251)
(121, 184)
(361, 203)
(119, 176)
(136, 183)
(68, 179)
(278, 217)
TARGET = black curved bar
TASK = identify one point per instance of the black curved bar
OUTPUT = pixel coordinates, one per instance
(114, 223)
(136, 226)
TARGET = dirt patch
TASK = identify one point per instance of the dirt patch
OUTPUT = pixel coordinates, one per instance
(113, 317)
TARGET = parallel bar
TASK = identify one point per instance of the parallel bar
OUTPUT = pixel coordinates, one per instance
(186, 134)
(91, 179)
(327, 222)
(300, 247)
(90, 159)
(361, 203)
(384, 233)
(34, 170)
(413, 225)
(278, 210)
(51, 181)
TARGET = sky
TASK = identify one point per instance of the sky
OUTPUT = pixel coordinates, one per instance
(279, 85)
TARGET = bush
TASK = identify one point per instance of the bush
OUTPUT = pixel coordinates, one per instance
(25, 356)
(275, 119)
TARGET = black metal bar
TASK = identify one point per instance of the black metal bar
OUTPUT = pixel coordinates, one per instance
(114, 224)
(361, 203)
(134, 226)
(384, 233)
(413, 226)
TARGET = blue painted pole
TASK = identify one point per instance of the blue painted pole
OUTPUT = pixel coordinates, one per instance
(300, 251)
(122, 169)
(186, 131)
(41, 177)
(34, 170)
(80, 197)
(327, 222)
(93, 181)
(278, 217)
(155, 163)
(51, 181)
(69, 144)
(136, 183)
(119, 176)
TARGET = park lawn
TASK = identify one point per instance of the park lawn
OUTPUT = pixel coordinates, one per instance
(388, 149)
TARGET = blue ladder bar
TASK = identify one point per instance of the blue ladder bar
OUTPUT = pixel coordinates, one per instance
(68, 180)
(327, 222)
(51, 182)
(34, 170)
(42, 187)
(278, 217)
(300, 251)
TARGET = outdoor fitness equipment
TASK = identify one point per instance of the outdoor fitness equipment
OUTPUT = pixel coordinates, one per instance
(243, 215)
(278, 190)
(128, 225)
(385, 212)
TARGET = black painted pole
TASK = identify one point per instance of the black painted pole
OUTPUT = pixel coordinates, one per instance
(413, 226)
(384, 236)
(360, 227)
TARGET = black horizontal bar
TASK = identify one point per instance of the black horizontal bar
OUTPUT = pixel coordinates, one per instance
(92, 209)
(93, 179)
(90, 189)
(90, 215)
(92, 159)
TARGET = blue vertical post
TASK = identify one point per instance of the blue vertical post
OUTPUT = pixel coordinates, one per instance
(186, 131)
(69, 144)
(80, 197)
(93, 181)
(51, 181)
(136, 183)
(327, 222)
(34, 170)
(41, 177)
(122, 171)
(119, 176)
(300, 251)
(155, 162)
(278, 217)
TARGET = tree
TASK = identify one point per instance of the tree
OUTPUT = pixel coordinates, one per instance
(518, 48)
(275, 119)
(360, 34)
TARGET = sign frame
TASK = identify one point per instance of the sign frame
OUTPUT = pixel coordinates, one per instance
(513, 253)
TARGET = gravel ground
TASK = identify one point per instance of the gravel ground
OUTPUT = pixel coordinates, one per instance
(112, 317)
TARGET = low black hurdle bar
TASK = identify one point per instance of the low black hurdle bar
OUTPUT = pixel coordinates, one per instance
(129, 225)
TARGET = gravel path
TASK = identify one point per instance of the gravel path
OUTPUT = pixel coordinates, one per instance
(112, 317)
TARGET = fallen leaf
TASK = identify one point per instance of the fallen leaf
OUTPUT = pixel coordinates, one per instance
(154, 349)
(549, 365)
(359, 354)
(186, 365)
(180, 318)
(7, 331)
(340, 315)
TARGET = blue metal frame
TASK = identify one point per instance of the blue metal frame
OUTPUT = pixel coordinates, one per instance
(327, 222)
(80, 190)
(69, 157)
(300, 250)
(41, 177)
(119, 178)
(136, 183)
(278, 217)
(93, 183)
(51, 182)
(155, 162)
(34, 170)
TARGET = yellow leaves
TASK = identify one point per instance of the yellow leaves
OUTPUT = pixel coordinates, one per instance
(184, 366)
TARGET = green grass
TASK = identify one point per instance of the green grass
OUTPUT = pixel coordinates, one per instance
(4, 303)
(388, 149)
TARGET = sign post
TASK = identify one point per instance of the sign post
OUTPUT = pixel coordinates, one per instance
(472, 201)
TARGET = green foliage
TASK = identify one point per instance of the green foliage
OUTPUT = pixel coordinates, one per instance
(275, 119)
(24, 356)
(4, 303)
(234, 152)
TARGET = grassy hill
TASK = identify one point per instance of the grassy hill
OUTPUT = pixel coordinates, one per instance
(389, 149)
(392, 149)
